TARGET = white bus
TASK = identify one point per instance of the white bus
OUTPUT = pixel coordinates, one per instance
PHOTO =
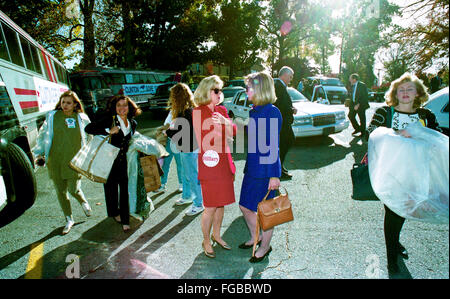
(31, 82)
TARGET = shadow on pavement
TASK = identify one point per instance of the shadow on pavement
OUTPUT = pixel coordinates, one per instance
(228, 264)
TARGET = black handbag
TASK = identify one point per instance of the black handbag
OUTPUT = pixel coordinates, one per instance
(362, 188)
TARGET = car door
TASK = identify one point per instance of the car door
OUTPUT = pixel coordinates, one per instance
(241, 109)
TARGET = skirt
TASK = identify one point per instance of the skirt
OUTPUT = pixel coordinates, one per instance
(218, 193)
(253, 191)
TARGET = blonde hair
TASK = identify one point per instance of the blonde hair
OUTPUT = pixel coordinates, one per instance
(180, 99)
(203, 91)
(263, 88)
(76, 100)
(422, 92)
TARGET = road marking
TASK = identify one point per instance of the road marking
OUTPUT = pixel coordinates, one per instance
(35, 261)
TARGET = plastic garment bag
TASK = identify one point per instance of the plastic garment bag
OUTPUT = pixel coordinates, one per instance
(411, 175)
(148, 146)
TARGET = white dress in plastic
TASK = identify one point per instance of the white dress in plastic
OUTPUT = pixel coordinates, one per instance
(411, 175)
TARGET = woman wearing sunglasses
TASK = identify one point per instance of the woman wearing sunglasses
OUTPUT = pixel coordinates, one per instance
(216, 168)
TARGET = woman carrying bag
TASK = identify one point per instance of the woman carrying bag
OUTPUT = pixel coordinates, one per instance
(408, 163)
(118, 122)
(60, 138)
(262, 169)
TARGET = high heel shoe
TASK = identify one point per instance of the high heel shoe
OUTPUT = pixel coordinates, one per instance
(255, 259)
(224, 246)
(208, 254)
(245, 246)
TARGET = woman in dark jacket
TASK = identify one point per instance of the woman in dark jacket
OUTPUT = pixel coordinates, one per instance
(118, 122)
(403, 99)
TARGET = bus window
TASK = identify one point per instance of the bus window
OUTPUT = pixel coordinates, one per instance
(13, 45)
(44, 62)
(35, 56)
(27, 54)
(3, 50)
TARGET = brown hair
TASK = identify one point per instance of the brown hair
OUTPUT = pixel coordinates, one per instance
(180, 99)
(69, 93)
(422, 93)
(133, 109)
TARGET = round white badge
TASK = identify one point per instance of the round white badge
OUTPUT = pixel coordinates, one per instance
(210, 158)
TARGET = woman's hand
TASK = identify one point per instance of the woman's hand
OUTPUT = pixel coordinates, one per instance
(274, 184)
(114, 130)
(403, 133)
(219, 119)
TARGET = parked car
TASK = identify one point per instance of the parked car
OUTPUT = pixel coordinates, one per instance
(237, 82)
(160, 100)
(375, 96)
(230, 91)
(326, 88)
(311, 119)
(438, 103)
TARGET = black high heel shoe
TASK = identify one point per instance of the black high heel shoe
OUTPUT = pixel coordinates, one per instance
(255, 259)
(224, 246)
(245, 246)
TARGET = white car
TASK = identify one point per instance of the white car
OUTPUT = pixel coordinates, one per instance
(438, 104)
(311, 119)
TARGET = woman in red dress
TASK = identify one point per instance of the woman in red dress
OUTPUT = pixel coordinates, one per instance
(213, 128)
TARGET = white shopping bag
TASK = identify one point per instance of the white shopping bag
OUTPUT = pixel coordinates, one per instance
(95, 159)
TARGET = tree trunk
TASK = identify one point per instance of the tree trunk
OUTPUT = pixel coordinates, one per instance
(89, 57)
(127, 31)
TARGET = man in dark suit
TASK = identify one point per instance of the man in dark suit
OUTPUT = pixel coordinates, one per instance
(358, 105)
(284, 104)
(436, 82)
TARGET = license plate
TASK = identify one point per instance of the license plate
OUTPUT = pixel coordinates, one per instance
(335, 97)
(328, 131)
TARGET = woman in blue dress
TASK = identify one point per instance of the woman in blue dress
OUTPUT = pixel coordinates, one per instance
(262, 167)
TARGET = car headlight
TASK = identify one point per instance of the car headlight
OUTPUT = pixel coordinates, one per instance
(340, 115)
(303, 120)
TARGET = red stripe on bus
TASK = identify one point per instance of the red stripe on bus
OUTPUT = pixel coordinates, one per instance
(29, 104)
(25, 92)
(47, 68)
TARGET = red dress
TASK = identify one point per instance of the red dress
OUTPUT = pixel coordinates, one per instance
(215, 165)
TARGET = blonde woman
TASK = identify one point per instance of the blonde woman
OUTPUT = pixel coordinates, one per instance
(60, 138)
(262, 169)
(404, 99)
(216, 168)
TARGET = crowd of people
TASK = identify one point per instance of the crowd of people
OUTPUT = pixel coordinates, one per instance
(199, 132)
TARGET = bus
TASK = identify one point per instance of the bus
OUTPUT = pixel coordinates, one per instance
(31, 82)
(139, 85)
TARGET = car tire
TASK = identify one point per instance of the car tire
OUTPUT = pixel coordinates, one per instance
(19, 179)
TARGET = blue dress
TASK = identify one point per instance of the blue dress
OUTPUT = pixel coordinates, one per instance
(263, 157)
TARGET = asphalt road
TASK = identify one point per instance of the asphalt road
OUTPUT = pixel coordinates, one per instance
(332, 235)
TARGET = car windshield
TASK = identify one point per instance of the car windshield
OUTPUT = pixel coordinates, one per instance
(296, 96)
(331, 82)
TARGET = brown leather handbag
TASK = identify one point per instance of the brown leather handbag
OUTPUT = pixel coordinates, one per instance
(272, 212)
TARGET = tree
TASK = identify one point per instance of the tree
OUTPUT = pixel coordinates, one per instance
(47, 22)
(362, 37)
(429, 41)
(235, 34)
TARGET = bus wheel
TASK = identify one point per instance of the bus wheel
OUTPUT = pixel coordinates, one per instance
(20, 183)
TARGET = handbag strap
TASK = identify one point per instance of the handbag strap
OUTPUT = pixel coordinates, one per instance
(268, 192)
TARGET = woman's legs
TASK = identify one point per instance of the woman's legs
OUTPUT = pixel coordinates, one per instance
(266, 236)
(206, 223)
(392, 226)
